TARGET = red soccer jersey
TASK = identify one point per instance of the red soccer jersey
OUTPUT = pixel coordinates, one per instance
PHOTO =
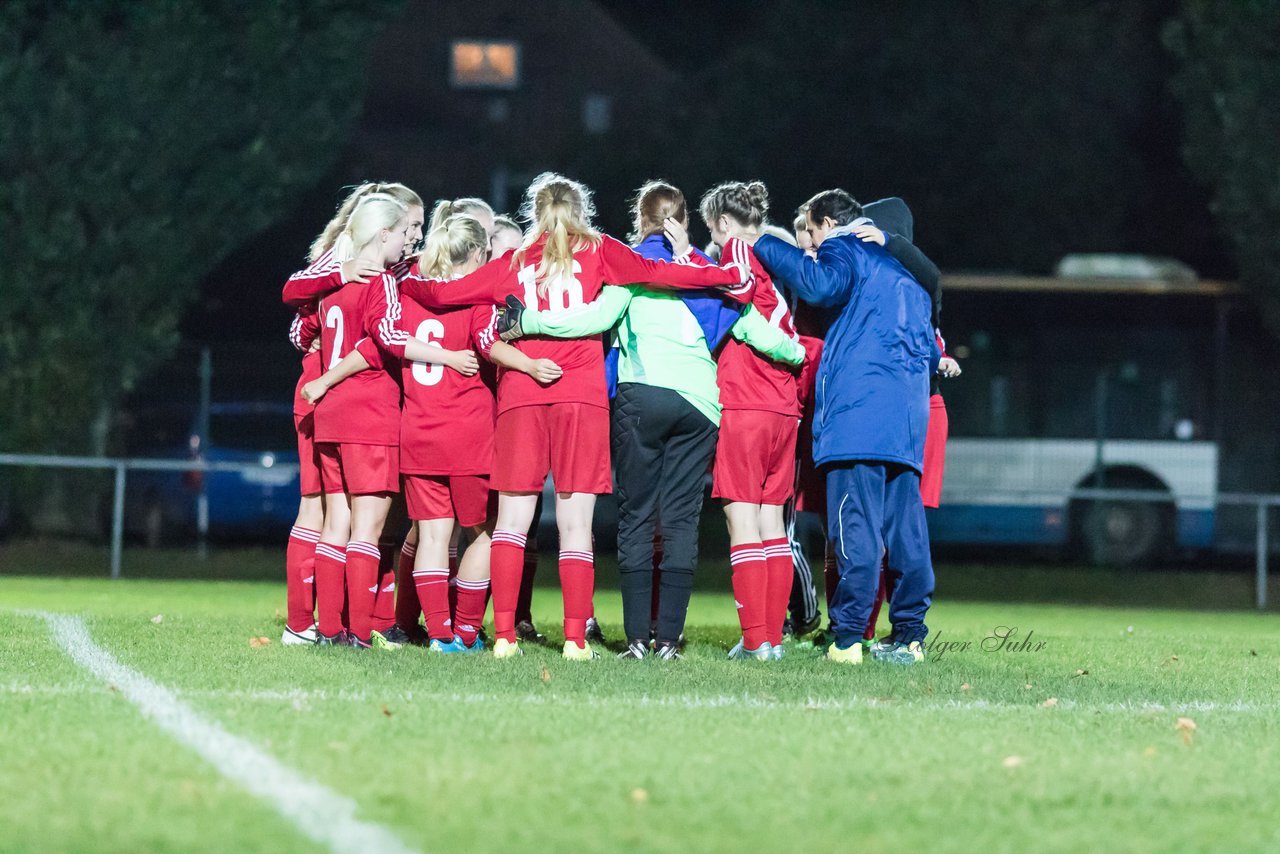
(363, 409)
(581, 359)
(747, 379)
(446, 427)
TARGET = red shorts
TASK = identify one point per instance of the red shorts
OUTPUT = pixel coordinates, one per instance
(755, 457)
(308, 457)
(569, 440)
(935, 453)
(359, 469)
(465, 497)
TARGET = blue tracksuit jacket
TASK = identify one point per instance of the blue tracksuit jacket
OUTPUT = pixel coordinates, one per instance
(872, 400)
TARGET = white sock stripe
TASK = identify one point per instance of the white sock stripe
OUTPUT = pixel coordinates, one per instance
(364, 548)
(408, 550)
(453, 552)
(744, 557)
(510, 538)
(443, 572)
(331, 552)
(319, 813)
(472, 585)
(566, 555)
(305, 534)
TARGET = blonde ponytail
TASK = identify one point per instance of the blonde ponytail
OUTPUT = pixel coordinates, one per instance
(450, 244)
(560, 210)
(446, 208)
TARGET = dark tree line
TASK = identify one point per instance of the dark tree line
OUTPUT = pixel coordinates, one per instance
(143, 141)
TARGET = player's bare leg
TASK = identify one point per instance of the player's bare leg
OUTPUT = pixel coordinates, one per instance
(300, 570)
(574, 512)
(368, 515)
(473, 589)
(506, 564)
(750, 576)
(779, 572)
(431, 578)
(331, 573)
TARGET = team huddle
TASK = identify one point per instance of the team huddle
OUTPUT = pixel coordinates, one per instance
(462, 367)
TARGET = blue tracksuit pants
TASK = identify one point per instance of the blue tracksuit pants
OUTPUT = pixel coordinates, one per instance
(872, 506)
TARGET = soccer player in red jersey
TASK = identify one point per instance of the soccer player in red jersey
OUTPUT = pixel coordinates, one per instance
(300, 556)
(560, 427)
(358, 427)
(755, 464)
(447, 439)
(305, 535)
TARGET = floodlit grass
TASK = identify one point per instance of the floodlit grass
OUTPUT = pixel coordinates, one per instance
(1068, 746)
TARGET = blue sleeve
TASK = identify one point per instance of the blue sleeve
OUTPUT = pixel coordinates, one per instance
(935, 356)
(827, 281)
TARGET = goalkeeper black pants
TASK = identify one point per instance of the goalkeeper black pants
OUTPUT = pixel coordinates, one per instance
(661, 447)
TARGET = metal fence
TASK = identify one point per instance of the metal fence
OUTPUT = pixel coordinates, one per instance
(1261, 504)
(121, 468)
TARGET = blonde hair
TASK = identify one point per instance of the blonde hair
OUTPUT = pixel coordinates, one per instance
(746, 203)
(450, 244)
(654, 202)
(504, 221)
(446, 208)
(560, 210)
(373, 213)
(801, 222)
(329, 236)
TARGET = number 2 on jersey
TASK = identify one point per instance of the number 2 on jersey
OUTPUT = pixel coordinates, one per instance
(333, 320)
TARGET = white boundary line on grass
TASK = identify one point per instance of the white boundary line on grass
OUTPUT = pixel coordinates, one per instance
(299, 696)
(319, 813)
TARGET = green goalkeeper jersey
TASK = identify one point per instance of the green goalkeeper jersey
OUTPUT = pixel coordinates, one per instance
(660, 342)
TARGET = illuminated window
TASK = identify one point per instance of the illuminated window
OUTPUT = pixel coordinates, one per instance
(485, 65)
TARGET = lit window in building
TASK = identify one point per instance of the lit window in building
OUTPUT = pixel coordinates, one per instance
(485, 65)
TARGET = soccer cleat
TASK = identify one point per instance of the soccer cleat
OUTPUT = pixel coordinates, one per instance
(760, 653)
(900, 653)
(635, 651)
(395, 634)
(384, 640)
(573, 652)
(302, 638)
(775, 653)
(445, 646)
(593, 632)
(527, 631)
(339, 639)
(476, 645)
(355, 643)
(847, 655)
(668, 651)
(503, 648)
(415, 635)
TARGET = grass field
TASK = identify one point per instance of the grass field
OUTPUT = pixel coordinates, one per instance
(1070, 745)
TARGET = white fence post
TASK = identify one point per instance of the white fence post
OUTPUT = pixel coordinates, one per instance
(117, 522)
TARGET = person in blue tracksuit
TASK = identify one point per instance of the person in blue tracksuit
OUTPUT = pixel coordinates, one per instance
(872, 411)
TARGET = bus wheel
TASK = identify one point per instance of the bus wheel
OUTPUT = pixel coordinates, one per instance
(1122, 533)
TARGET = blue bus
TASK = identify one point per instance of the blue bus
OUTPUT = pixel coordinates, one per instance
(1074, 385)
